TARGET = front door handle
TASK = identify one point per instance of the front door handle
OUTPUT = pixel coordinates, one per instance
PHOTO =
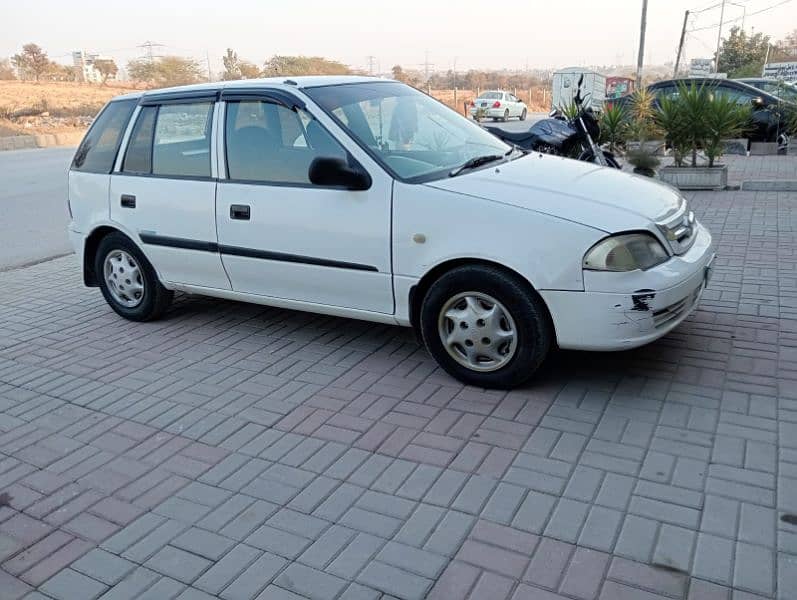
(128, 201)
(239, 212)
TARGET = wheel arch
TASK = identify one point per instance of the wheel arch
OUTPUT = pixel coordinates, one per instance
(90, 251)
(418, 291)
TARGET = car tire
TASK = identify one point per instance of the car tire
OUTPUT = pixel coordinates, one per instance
(501, 350)
(523, 115)
(128, 281)
(506, 116)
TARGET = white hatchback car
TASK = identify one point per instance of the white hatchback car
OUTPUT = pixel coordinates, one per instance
(368, 199)
(498, 105)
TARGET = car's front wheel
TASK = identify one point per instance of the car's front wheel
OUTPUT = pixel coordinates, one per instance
(127, 280)
(523, 115)
(485, 326)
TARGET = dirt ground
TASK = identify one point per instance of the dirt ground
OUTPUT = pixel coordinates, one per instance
(28, 108)
(52, 107)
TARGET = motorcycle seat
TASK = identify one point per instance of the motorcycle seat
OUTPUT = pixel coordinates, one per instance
(512, 136)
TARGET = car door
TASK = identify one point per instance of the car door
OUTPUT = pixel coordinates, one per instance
(514, 110)
(284, 237)
(163, 192)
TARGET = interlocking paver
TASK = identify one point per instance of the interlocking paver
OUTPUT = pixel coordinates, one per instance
(280, 454)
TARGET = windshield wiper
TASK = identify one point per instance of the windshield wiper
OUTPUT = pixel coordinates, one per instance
(474, 162)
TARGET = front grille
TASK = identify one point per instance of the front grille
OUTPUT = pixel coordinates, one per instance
(673, 312)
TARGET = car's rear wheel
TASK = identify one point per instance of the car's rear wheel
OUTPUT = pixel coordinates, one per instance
(485, 326)
(523, 115)
(127, 280)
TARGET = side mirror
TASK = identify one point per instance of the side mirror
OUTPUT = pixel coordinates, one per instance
(334, 171)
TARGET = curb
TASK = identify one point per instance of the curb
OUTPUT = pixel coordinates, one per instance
(44, 140)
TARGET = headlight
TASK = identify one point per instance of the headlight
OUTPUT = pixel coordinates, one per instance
(625, 252)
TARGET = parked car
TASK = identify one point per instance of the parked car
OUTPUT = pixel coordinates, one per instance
(496, 105)
(782, 89)
(365, 198)
(769, 122)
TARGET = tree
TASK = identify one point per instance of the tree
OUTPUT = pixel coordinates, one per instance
(6, 72)
(786, 49)
(740, 53)
(107, 68)
(141, 69)
(232, 66)
(248, 70)
(175, 70)
(236, 68)
(168, 70)
(278, 66)
(31, 62)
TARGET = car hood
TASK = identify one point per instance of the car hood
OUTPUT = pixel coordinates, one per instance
(600, 197)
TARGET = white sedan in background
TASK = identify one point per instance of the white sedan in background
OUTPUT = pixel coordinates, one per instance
(498, 105)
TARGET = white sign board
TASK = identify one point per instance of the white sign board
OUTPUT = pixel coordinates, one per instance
(785, 70)
(701, 67)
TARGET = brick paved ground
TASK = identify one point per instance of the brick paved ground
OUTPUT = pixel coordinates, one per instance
(242, 452)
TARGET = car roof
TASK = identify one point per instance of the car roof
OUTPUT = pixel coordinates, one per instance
(304, 81)
(718, 81)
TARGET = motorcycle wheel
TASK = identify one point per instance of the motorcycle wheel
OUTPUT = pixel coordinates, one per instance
(506, 116)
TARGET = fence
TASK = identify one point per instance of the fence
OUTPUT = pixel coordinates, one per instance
(538, 99)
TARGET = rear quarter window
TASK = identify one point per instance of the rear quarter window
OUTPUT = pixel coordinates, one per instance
(97, 151)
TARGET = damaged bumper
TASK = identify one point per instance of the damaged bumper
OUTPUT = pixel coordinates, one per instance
(618, 311)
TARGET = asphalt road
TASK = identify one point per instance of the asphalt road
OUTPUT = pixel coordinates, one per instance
(33, 210)
(515, 124)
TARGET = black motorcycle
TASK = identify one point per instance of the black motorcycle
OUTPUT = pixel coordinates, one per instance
(574, 137)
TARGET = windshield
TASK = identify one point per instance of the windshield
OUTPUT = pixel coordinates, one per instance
(414, 136)
(782, 90)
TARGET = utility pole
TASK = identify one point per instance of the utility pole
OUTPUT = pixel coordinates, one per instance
(371, 60)
(641, 57)
(719, 39)
(680, 46)
(210, 74)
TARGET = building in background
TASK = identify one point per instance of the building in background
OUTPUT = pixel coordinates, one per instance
(85, 71)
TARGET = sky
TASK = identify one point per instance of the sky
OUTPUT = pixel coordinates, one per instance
(460, 34)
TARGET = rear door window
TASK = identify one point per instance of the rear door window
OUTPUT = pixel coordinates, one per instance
(97, 151)
(182, 140)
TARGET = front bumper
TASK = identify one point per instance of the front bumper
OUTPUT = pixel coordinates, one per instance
(618, 311)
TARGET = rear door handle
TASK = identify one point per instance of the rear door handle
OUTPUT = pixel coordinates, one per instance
(240, 212)
(128, 201)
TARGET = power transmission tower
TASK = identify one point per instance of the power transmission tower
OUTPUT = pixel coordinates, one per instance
(719, 39)
(680, 46)
(426, 65)
(641, 57)
(149, 45)
(371, 59)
